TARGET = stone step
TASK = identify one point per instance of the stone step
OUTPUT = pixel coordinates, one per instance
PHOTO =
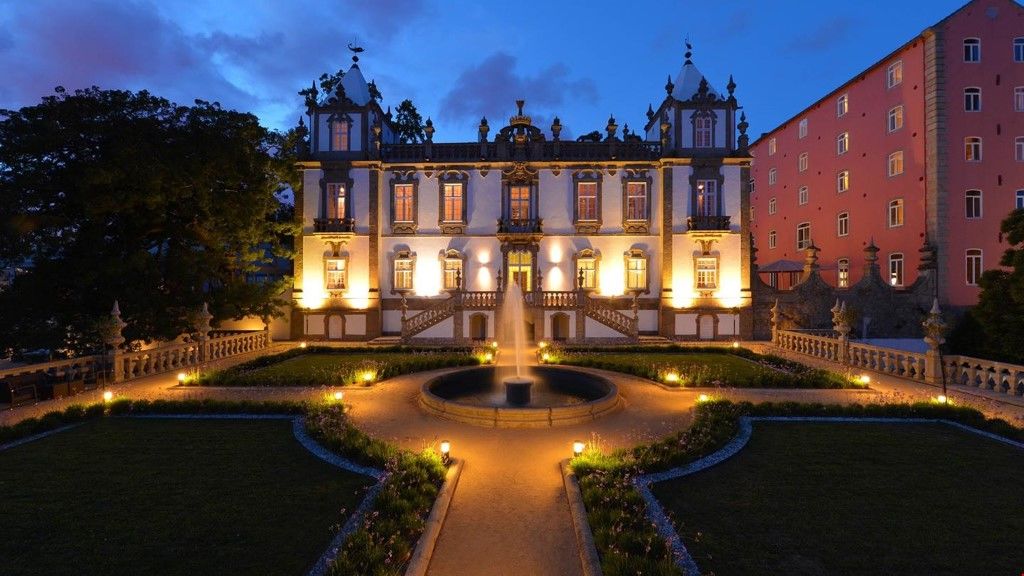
(386, 341)
(653, 340)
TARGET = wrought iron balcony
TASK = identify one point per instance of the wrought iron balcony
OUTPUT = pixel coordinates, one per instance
(707, 223)
(519, 226)
(341, 225)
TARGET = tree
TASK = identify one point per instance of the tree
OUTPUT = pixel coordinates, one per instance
(110, 194)
(408, 123)
(994, 328)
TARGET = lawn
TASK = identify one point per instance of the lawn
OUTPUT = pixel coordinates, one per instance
(812, 498)
(175, 497)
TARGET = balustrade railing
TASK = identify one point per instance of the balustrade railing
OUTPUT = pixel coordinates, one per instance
(344, 225)
(985, 374)
(81, 368)
(888, 361)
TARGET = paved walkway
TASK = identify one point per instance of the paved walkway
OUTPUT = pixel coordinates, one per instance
(509, 514)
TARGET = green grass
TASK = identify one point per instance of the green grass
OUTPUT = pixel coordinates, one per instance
(812, 498)
(130, 496)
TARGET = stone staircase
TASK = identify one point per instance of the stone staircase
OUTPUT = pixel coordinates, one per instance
(606, 314)
(431, 316)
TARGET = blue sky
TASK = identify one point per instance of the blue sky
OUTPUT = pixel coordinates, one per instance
(457, 60)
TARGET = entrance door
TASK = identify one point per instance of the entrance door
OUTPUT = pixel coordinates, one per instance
(520, 269)
(478, 327)
(559, 326)
(335, 328)
(706, 327)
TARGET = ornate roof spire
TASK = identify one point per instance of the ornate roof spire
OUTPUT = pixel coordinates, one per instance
(689, 51)
(356, 49)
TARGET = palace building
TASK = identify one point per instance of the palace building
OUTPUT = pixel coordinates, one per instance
(618, 236)
(920, 155)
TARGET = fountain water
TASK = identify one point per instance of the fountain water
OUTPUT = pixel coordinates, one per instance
(517, 387)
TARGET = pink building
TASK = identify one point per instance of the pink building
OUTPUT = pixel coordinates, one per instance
(924, 148)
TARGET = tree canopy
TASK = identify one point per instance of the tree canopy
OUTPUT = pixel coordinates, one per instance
(408, 123)
(111, 194)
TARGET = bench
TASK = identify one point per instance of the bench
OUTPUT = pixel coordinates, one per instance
(23, 389)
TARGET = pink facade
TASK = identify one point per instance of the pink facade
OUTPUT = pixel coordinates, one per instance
(905, 166)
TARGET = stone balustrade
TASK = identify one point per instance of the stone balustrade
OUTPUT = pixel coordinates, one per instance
(888, 361)
(985, 374)
(71, 369)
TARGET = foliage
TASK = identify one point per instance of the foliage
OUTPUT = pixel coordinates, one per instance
(994, 328)
(408, 123)
(118, 195)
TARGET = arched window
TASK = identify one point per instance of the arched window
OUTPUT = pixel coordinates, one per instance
(974, 266)
(587, 261)
(972, 99)
(843, 143)
(972, 149)
(843, 181)
(972, 50)
(636, 270)
(451, 263)
(896, 163)
(340, 127)
(972, 204)
(896, 213)
(803, 235)
(843, 224)
(844, 273)
(896, 269)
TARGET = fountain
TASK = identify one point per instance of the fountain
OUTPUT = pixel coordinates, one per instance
(517, 386)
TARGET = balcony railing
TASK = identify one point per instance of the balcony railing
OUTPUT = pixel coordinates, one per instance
(519, 226)
(334, 225)
(707, 223)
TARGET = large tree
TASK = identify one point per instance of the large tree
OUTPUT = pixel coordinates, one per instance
(110, 194)
(408, 123)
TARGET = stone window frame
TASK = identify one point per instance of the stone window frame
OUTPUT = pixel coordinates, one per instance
(636, 226)
(587, 254)
(587, 176)
(773, 176)
(975, 143)
(894, 118)
(704, 115)
(895, 163)
(843, 224)
(400, 255)
(332, 177)
(976, 270)
(972, 50)
(460, 177)
(638, 253)
(773, 146)
(398, 178)
(705, 291)
(337, 256)
(452, 254)
(977, 196)
(339, 119)
(801, 129)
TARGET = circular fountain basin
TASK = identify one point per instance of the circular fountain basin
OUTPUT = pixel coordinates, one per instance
(559, 397)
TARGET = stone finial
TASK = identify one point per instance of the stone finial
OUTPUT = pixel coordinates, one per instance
(689, 52)
(483, 129)
(111, 329)
(835, 311)
(666, 129)
(580, 279)
(927, 252)
(388, 114)
(428, 129)
(731, 86)
(556, 128)
(650, 112)
(934, 327)
(201, 321)
(611, 128)
(669, 86)
(811, 258)
(744, 140)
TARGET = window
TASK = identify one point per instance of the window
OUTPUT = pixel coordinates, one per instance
(1020, 148)
(1018, 49)
(771, 239)
(803, 235)
(1020, 200)
(972, 99)
(843, 143)
(636, 270)
(519, 203)
(1018, 99)
(802, 162)
(972, 204)
(707, 198)
(973, 265)
(772, 175)
(843, 181)
(771, 205)
(751, 185)
(771, 147)
(702, 132)
(335, 277)
(636, 201)
(403, 271)
(896, 163)
(802, 195)
(844, 273)
(454, 199)
(972, 50)
(707, 273)
(586, 270)
(896, 269)
(751, 213)
(337, 198)
(895, 118)
(340, 134)
(896, 213)
(403, 203)
(972, 149)
(802, 128)
(452, 270)
(894, 75)
(842, 105)
(586, 201)
(843, 224)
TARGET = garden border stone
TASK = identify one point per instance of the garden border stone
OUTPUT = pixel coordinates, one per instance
(589, 558)
(424, 551)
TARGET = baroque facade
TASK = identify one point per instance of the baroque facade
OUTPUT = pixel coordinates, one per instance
(611, 237)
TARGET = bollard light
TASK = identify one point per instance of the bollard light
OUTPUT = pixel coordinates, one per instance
(488, 357)
(339, 395)
(368, 376)
(182, 377)
(302, 344)
(542, 344)
(108, 396)
(735, 344)
(494, 344)
(446, 449)
(941, 399)
(864, 379)
(703, 398)
(672, 377)
(545, 357)
(577, 448)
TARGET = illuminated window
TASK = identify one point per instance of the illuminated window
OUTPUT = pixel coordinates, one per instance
(771, 239)
(1018, 49)
(586, 270)
(802, 162)
(844, 273)
(453, 277)
(843, 224)
(1018, 99)
(707, 273)
(802, 128)
(972, 149)
(896, 213)
(772, 177)
(586, 201)
(895, 121)
(972, 50)
(519, 203)
(843, 143)
(403, 203)
(335, 273)
(842, 105)
(896, 163)
(636, 201)
(454, 200)
(974, 266)
(636, 270)
(803, 235)
(802, 195)
(843, 181)
(972, 204)
(403, 271)
(337, 198)
(771, 205)
(771, 147)
(896, 269)
(340, 134)
(894, 74)
(702, 132)
(972, 99)
(707, 198)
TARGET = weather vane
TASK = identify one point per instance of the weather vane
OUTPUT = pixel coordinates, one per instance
(356, 49)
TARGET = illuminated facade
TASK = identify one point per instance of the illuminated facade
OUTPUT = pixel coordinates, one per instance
(614, 236)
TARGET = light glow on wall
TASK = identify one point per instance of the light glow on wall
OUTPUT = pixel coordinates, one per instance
(555, 253)
(483, 279)
(313, 293)
(427, 278)
(613, 278)
(358, 294)
(682, 293)
(555, 280)
(483, 256)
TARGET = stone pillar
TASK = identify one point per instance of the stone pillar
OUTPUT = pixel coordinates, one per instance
(201, 324)
(113, 338)
(934, 335)
(841, 324)
(775, 322)
(810, 261)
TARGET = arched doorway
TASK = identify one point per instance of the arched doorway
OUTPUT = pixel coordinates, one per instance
(335, 327)
(706, 327)
(478, 326)
(560, 326)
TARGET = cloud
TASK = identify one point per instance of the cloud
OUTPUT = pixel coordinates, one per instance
(491, 87)
(829, 34)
